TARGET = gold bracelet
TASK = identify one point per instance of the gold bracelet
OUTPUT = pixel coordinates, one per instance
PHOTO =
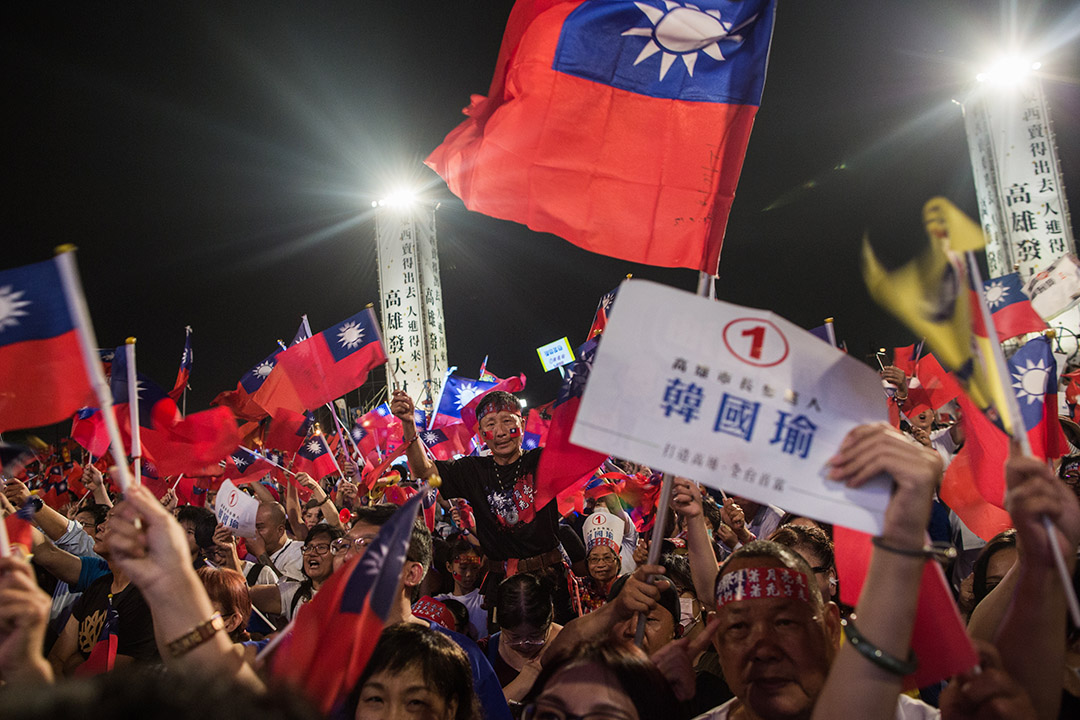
(196, 636)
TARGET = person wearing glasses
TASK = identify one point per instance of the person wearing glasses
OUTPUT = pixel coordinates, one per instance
(601, 681)
(285, 597)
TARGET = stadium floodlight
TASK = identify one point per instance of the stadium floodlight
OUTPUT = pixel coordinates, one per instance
(1007, 70)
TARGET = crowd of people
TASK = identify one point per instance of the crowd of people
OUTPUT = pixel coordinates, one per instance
(130, 603)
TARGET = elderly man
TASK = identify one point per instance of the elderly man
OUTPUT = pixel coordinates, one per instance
(779, 641)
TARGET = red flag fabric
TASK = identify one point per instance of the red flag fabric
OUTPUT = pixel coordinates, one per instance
(333, 362)
(939, 637)
(194, 444)
(593, 131)
(510, 385)
(603, 312)
(88, 429)
(1011, 307)
(20, 531)
(315, 458)
(447, 441)
(287, 430)
(334, 635)
(184, 373)
(563, 464)
(41, 368)
(244, 467)
(103, 654)
(974, 483)
(369, 477)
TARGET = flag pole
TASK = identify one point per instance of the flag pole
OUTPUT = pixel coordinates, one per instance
(5, 543)
(830, 331)
(76, 302)
(705, 285)
(133, 409)
(438, 400)
(264, 457)
(1016, 421)
(655, 543)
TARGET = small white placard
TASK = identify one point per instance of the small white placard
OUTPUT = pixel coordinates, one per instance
(236, 510)
(555, 354)
(735, 398)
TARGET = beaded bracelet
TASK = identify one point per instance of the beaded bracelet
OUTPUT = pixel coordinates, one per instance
(876, 655)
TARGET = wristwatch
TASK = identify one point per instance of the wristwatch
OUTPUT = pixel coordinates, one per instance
(36, 503)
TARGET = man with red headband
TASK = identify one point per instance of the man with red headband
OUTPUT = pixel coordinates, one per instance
(500, 487)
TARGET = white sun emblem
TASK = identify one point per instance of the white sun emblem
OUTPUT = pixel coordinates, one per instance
(315, 447)
(263, 369)
(350, 335)
(681, 31)
(239, 461)
(605, 302)
(11, 307)
(466, 392)
(430, 438)
(996, 294)
(1031, 381)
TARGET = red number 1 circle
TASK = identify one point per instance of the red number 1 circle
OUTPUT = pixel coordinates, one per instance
(756, 342)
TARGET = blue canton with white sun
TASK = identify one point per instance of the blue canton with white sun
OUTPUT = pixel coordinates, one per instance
(709, 51)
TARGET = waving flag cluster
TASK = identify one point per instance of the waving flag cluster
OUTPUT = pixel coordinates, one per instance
(562, 463)
(176, 444)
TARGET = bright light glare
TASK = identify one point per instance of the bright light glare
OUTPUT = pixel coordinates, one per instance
(523, 403)
(398, 198)
(1007, 70)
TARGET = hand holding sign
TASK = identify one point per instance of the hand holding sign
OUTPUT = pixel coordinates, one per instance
(236, 510)
(716, 395)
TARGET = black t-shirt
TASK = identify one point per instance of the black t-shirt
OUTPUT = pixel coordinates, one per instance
(135, 632)
(507, 523)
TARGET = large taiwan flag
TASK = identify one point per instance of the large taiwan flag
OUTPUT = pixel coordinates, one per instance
(42, 380)
(620, 126)
(336, 361)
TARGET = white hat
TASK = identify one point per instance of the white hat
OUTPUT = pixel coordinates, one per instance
(603, 528)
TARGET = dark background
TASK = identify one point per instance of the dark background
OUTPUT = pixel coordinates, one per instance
(215, 162)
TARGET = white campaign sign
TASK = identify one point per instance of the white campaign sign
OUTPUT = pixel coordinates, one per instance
(236, 510)
(735, 398)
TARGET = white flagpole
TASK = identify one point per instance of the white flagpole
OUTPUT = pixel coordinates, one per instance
(80, 314)
(1016, 420)
(133, 409)
(5, 543)
(189, 358)
(830, 332)
(277, 465)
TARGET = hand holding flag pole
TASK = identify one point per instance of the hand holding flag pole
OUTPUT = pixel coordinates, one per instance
(654, 544)
(1016, 421)
(76, 302)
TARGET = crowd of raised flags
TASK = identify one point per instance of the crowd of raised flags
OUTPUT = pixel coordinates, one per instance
(607, 187)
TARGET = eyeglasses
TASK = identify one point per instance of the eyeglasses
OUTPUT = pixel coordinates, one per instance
(344, 545)
(544, 711)
(320, 549)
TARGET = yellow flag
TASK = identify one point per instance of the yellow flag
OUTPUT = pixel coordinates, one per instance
(931, 294)
(956, 231)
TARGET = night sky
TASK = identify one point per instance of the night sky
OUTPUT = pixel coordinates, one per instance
(216, 161)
